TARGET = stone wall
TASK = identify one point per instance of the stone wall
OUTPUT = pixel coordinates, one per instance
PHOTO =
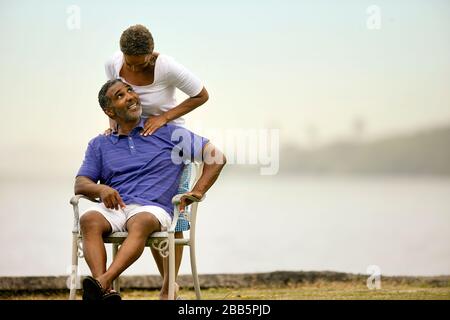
(279, 278)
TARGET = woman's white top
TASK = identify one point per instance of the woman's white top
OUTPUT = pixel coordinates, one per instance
(159, 97)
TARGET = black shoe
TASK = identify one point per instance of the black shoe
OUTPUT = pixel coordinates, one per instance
(111, 296)
(92, 289)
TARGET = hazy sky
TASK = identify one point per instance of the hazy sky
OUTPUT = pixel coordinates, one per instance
(292, 65)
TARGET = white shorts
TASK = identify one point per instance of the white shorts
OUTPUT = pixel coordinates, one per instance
(118, 218)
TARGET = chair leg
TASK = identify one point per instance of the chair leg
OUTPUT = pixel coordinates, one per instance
(171, 266)
(74, 271)
(116, 282)
(194, 269)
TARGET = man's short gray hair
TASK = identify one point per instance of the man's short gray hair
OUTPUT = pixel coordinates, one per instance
(103, 99)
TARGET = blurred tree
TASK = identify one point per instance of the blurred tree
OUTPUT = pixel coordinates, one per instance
(312, 134)
(359, 127)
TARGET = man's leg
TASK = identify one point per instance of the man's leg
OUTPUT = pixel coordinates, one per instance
(178, 256)
(163, 266)
(139, 227)
(93, 226)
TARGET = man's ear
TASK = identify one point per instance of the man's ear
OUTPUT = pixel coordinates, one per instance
(109, 112)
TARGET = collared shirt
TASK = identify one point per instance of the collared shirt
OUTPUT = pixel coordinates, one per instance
(144, 170)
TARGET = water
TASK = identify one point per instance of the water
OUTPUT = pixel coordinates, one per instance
(259, 224)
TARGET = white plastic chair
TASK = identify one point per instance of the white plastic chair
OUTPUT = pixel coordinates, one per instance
(164, 242)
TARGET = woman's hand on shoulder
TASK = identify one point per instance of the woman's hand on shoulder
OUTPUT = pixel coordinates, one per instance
(153, 123)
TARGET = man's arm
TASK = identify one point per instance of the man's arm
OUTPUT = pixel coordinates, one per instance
(213, 162)
(109, 196)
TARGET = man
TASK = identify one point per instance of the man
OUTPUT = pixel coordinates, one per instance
(138, 177)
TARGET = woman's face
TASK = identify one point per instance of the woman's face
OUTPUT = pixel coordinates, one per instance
(137, 63)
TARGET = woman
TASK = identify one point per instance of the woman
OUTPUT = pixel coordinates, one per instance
(155, 77)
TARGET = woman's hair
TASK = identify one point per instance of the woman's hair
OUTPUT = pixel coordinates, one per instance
(136, 40)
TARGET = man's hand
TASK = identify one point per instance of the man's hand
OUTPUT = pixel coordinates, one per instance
(184, 202)
(108, 132)
(111, 198)
(152, 124)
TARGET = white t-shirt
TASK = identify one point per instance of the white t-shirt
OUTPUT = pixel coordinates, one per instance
(159, 96)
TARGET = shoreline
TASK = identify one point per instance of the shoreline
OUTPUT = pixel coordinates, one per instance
(244, 280)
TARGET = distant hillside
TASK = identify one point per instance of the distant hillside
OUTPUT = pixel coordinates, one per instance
(426, 152)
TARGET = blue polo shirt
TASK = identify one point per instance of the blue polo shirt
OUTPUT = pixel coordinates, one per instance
(144, 170)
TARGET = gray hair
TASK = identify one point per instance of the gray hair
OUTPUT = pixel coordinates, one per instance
(103, 99)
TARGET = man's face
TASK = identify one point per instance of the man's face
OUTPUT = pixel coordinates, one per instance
(125, 104)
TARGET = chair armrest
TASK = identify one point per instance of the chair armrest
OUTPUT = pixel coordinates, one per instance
(177, 199)
(76, 215)
(176, 213)
(75, 199)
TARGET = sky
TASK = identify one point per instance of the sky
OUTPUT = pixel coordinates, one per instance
(304, 67)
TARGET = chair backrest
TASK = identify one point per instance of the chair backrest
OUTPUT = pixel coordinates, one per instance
(190, 175)
(185, 180)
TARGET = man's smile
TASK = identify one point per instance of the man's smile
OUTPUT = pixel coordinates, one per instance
(133, 107)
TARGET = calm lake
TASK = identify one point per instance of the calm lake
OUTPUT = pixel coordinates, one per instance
(252, 223)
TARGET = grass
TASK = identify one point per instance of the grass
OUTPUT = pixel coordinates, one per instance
(309, 291)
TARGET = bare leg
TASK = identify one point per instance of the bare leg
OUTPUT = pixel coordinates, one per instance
(93, 227)
(163, 295)
(178, 256)
(139, 227)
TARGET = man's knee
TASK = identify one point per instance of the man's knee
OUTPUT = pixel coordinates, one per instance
(93, 221)
(143, 223)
